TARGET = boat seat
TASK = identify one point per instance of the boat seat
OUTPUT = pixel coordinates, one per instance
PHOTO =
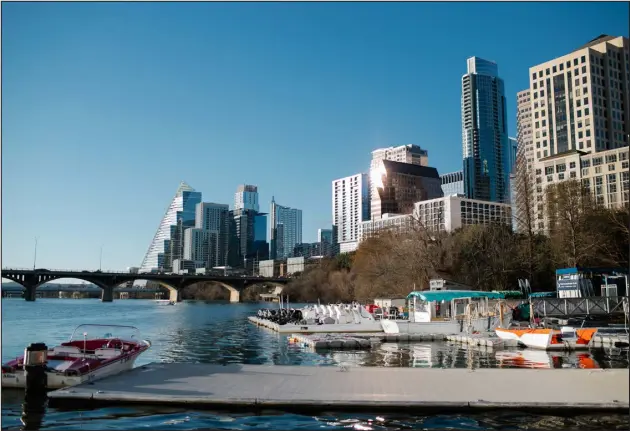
(65, 351)
(107, 353)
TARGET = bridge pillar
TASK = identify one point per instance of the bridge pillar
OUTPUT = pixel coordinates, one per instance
(108, 294)
(235, 295)
(174, 296)
(30, 293)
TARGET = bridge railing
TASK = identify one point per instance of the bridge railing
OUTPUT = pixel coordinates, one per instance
(78, 271)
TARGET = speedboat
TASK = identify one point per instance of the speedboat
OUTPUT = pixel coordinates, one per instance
(92, 353)
(450, 312)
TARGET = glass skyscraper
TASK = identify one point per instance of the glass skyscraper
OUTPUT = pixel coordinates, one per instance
(484, 132)
(285, 226)
(167, 244)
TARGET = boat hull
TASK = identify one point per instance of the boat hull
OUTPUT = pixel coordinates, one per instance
(446, 328)
(549, 339)
(57, 380)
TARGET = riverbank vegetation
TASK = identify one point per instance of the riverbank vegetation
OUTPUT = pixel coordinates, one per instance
(485, 257)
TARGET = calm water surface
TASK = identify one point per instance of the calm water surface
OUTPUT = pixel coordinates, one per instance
(219, 333)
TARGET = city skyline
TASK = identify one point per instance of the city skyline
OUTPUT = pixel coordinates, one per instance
(53, 108)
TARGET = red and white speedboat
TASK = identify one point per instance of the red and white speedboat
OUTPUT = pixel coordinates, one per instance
(92, 353)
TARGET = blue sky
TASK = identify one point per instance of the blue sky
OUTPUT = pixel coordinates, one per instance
(107, 107)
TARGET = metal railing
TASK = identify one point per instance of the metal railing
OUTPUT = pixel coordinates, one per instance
(589, 306)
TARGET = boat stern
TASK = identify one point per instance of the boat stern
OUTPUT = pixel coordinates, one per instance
(390, 326)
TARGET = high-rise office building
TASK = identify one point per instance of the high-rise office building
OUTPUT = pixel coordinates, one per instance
(214, 217)
(350, 206)
(484, 132)
(246, 198)
(250, 226)
(579, 102)
(398, 186)
(285, 230)
(169, 236)
(201, 246)
(325, 235)
(453, 183)
(261, 246)
(411, 154)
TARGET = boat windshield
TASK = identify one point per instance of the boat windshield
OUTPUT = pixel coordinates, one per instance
(93, 332)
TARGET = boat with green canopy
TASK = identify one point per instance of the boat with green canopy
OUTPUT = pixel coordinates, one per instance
(450, 312)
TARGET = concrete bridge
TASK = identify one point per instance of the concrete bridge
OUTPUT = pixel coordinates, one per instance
(32, 279)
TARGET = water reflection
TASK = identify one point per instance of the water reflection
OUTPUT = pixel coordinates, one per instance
(451, 355)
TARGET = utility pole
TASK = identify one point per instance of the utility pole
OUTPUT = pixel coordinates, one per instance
(100, 261)
(35, 255)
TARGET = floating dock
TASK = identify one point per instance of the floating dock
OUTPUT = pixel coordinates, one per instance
(353, 328)
(482, 340)
(331, 341)
(355, 388)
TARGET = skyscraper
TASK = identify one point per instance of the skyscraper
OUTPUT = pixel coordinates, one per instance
(285, 227)
(398, 186)
(214, 218)
(411, 154)
(579, 104)
(169, 236)
(350, 206)
(250, 225)
(484, 132)
(246, 198)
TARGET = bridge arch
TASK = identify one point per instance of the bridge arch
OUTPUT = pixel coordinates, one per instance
(173, 292)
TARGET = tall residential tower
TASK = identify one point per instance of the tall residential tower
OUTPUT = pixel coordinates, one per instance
(350, 206)
(484, 132)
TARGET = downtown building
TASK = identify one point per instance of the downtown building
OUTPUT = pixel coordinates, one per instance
(485, 142)
(285, 230)
(408, 154)
(579, 106)
(452, 183)
(207, 243)
(249, 229)
(168, 242)
(398, 186)
(444, 214)
(350, 207)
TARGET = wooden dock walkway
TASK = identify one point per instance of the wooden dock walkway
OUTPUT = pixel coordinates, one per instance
(363, 388)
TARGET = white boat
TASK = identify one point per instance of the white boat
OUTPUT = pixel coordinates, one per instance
(92, 353)
(164, 302)
(333, 318)
(450, 312)
(565, 338)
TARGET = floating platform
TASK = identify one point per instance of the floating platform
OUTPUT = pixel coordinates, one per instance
(482, 340)
(289, 328)
(354, 388)
(331, 341)
(608, 341)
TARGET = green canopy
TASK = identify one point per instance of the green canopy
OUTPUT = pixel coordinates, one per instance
(449, 295)
(510, 293)
(543, 295)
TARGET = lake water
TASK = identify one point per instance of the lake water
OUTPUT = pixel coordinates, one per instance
(220, 333)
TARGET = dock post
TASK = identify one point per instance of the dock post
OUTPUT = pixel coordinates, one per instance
(35, 396)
